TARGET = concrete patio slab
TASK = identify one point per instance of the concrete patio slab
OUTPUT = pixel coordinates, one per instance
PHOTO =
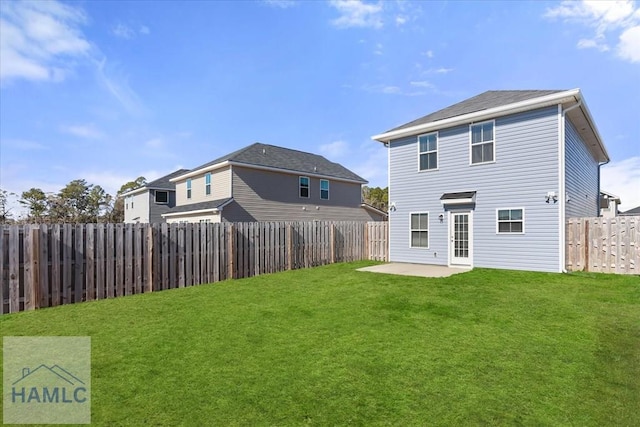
(420, 270)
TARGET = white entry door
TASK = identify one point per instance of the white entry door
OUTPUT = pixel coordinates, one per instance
(461, 238)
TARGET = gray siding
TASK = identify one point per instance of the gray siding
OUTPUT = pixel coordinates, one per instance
(261, 195)
(156, 210)
(581, 176)
(526, 168)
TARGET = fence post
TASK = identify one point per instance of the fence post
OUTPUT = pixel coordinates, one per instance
(289, 247)
(149, 258)
(333, 243)
(32, 298)
(232, 251)
(586, 244)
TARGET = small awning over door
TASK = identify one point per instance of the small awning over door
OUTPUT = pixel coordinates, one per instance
(463, 198)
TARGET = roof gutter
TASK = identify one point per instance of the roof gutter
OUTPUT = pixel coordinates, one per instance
(516, 107)
(215, 210)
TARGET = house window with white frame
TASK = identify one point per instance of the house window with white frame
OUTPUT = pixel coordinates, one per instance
(207, 184)
(324, 189)
(162, 197)
(420, 230)
(482, 142)
(510, 221)
(428, 151)
(304, 187)
(188, 188)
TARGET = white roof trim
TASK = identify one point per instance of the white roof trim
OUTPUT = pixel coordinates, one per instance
(373, 209)
(458, 201)
(199, 211)
(529, 104)
(212, 210)
(197, 172)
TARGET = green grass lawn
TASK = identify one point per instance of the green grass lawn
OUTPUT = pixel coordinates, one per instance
(334, 346)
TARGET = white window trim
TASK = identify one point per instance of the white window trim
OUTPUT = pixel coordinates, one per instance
(208, 174)
(328, 189)
(471, 143)
(189, 192)
(427, 230)
(300, 187)
(155, 197)
(510, 232)
(437, 133)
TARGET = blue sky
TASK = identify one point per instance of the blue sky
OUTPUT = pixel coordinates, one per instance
(108, 91)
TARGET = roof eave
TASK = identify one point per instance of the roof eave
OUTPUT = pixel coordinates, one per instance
(516, 107)
(596, 133)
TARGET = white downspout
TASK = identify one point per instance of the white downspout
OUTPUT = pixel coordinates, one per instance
(562, 172)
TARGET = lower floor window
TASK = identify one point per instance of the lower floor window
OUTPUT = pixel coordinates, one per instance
(510, 221)
(419, 230)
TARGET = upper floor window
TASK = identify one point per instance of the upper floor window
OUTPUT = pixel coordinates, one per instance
(420, 230)
(188, 188)
(482, 142)
(428, 151)
(304, 186)
(162, 196)
(207, 184)
(510, 221)
(324, 189)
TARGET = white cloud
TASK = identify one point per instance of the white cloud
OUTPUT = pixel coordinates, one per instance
(622, 178)
(356, 13)
(378, 50)
(440, 70)
(629, 45)
(155, 143)
(127, 32)
(123, 31)
(594, 43)
(40, 40)
(424, 84)
(282, 4)
(401, 20)
(428, 54)
(606, 19)
(86, 131)
(335, 149)
(118, 86)
(371, 163)
(23, 144)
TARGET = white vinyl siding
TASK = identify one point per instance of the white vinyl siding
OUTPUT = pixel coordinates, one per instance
(420, 230)
(581, 172)
(482, 142)
(428, 151)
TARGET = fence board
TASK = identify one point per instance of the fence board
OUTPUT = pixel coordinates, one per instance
(90, 257)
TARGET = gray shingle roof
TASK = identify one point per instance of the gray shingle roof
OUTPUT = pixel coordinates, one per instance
(484, 101)
(209, 204)
(164, 183)
(631, 212)
(259, 154)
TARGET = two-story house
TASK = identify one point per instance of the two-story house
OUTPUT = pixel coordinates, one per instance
(148, 203)
(491, 181)
(264, 182)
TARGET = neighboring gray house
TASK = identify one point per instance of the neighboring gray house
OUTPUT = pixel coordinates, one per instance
(631, 212)
(491, 181)
(268, 183)
(149, 202)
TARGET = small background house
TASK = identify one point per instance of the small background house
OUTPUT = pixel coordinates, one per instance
(147, 203)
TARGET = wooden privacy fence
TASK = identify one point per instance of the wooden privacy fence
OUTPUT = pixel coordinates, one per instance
(605, 245)
(50, 265)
